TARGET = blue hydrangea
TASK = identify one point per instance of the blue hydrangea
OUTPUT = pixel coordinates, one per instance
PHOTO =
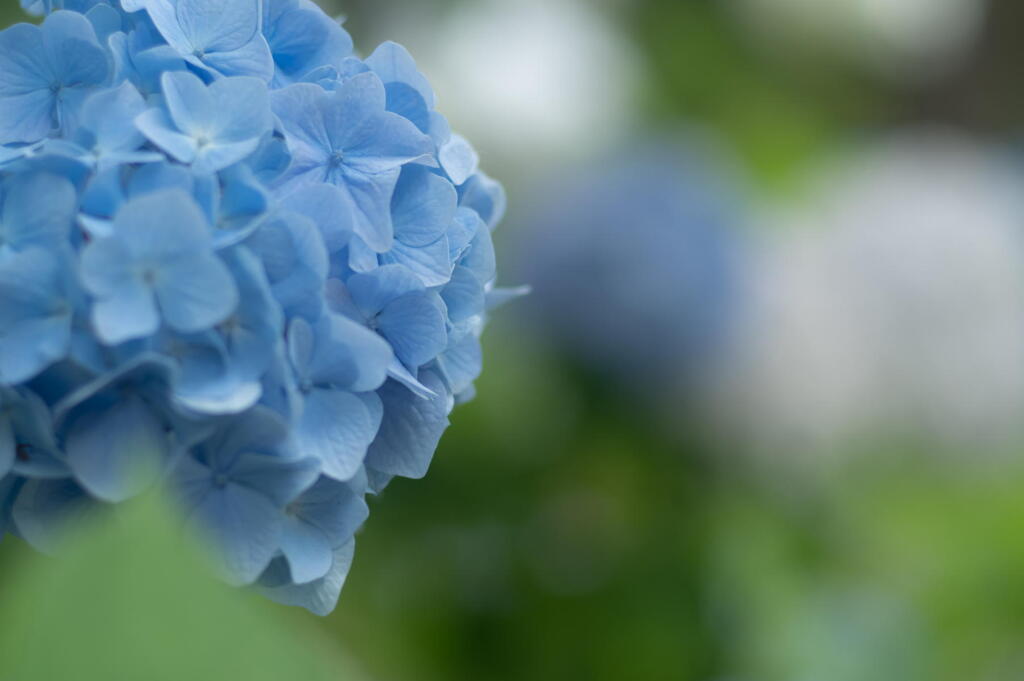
(237, 262)
(635, 264)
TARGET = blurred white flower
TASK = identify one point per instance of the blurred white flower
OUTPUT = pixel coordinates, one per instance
(890, 304)
(532, 81)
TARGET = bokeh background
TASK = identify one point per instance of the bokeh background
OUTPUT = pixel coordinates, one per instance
(762, 417)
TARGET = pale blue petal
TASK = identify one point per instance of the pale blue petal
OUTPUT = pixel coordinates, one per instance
(415, 326)
(485, 196)
(411, 428)
(131, 315)
(372, 291)
(214, 157)
(243, 530)
(352, 113)
(73, 53)
(395, 141)
(242, 112)
(398, 372)
(7, 446)
(333, 507)
(423, 206)
(331, 210)
(432, 263)
(300, 108)
(115, 468)
(464, 295)
(190, 105)
(348, 355)
(479, 258)
(196, 292)
(219, 26)
(39, 209)
(105, 115)
(306, 549)
(281, 481)
(158, 127)
(336, 427)
(35, 314)
(301, 344)
(462, 363)
(164, 17)
(321, 596)
(458, 159)
(47, 512)
(252, 59)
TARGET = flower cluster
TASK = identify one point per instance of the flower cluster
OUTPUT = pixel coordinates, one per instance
(635, 261)
(237, 260)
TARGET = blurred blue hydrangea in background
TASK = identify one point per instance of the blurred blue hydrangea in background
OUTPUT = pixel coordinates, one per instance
(234, 258)
(635, 260)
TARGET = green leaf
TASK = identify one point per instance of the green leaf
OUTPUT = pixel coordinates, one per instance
(131, 600)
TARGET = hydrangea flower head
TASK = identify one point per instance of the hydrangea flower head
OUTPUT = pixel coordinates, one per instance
(635, 264)
(236, 261)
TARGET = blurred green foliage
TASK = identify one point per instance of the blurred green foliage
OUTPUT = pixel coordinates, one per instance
(559, 535)
(129, 600)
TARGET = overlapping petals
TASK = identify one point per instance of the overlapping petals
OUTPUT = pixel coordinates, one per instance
(235, 261)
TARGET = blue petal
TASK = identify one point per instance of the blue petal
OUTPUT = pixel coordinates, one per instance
(243, 529)
(485, 196)
(220, 26)
(321, 596)
(348, 355)
(39, 209)
(458, 158)
(72, 50)
(191, 106)
(35, 314)
(464, 295)
(281, 481)
(431, 264)
(252, 59)
(423, 206)
(415, 326)
(26, 114)
(196, 293)
(45, 512)
(335, 508)
(330, 210)
(337, 427)
(37, 453)
(303, 37)
(301, 109)
(243, 111)
(118, 452)
(372, 291)
(306, 549)
(408, 92)
(108, 115)
(371, 194)
(462, 363)
(132, 314)
(8, 446)
(411, 428)
(158, 127)
(479, 257)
